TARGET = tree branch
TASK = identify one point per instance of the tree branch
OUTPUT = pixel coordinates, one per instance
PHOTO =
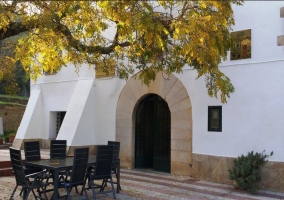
(14, 28)
(85, 48)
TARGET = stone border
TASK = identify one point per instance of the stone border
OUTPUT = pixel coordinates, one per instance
(175, 94)
(215, 169)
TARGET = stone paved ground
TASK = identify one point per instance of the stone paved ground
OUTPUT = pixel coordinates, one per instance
(158, 186)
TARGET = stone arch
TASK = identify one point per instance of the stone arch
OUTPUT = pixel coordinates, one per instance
(175, 94)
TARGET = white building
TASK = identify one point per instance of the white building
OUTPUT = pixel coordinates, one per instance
(102, 109)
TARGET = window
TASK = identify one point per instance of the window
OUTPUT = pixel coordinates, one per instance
(215, 118)
(59, 119)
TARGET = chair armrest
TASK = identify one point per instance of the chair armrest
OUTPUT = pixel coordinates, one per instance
(35, 174)
(115, 161)
(91, 168)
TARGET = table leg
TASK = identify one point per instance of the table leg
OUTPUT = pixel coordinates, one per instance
(55, 184)
(118, 177)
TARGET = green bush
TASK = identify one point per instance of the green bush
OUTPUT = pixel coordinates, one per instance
(8, 133)
(246, 171)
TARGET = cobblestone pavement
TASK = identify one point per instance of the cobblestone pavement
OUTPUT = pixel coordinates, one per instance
(157, 186)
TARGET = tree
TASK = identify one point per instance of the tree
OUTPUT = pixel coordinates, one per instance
(194, 33)
(13, 80)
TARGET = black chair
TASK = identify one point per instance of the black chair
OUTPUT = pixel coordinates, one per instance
(77, 175)
(32, 153)
(101, 170)
(23, 180)
(115, 162)
(58, 149)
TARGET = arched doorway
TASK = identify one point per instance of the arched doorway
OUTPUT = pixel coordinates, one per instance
(153, 134)
(175, 94)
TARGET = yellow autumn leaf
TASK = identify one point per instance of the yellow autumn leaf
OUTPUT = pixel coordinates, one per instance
(203, 5)
(94, 35)
(208, 17)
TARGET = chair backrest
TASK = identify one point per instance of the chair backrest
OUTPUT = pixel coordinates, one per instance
(104, 159)
(16, 160)
(80, 163)
(32, 151)
(116, 148)
(58, 149)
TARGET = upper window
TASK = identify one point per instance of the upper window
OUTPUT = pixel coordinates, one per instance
(215, 118)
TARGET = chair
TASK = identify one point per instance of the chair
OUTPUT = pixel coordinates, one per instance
(77, 176)
(57, 149)
(32, 153)
(23, 180)
(115, 162)
(102, 170)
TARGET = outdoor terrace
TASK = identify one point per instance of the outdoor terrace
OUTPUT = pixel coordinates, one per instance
(147, 184)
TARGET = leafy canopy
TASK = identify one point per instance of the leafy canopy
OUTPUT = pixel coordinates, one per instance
(194, 33)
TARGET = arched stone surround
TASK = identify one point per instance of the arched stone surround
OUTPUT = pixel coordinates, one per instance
(175, 94)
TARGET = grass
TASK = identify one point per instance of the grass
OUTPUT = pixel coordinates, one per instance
(14, 104)
(13, 100)
(15, 97)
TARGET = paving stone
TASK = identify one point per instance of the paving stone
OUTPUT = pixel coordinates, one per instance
(159, 186)
(148, 184)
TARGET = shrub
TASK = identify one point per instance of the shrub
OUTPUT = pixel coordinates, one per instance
(246, 171)
(8, 133)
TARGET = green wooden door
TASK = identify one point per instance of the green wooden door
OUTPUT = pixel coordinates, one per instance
(153, 135)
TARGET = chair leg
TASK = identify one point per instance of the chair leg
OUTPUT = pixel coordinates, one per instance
(93, 190)
(21, 191)
(44, 194)
(39, 192)
(112, 187)
(26, 194)
(85, 181)
(68, 193)
(104, 184)
(118, 185)
(86, 194)
(15, 191)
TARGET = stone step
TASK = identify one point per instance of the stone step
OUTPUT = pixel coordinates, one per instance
(5, 146)
(6, 171)
(5, 164)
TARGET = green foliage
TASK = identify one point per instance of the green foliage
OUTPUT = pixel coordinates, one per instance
(247, 170)
(14, 79)
(9, 133)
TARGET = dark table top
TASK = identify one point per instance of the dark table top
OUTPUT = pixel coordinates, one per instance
(59, 163)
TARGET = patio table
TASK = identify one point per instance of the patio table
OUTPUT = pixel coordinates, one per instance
(57, 165)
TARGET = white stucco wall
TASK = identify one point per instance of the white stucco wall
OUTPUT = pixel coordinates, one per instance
(32, 123)
(106, 95)
(252, 118)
